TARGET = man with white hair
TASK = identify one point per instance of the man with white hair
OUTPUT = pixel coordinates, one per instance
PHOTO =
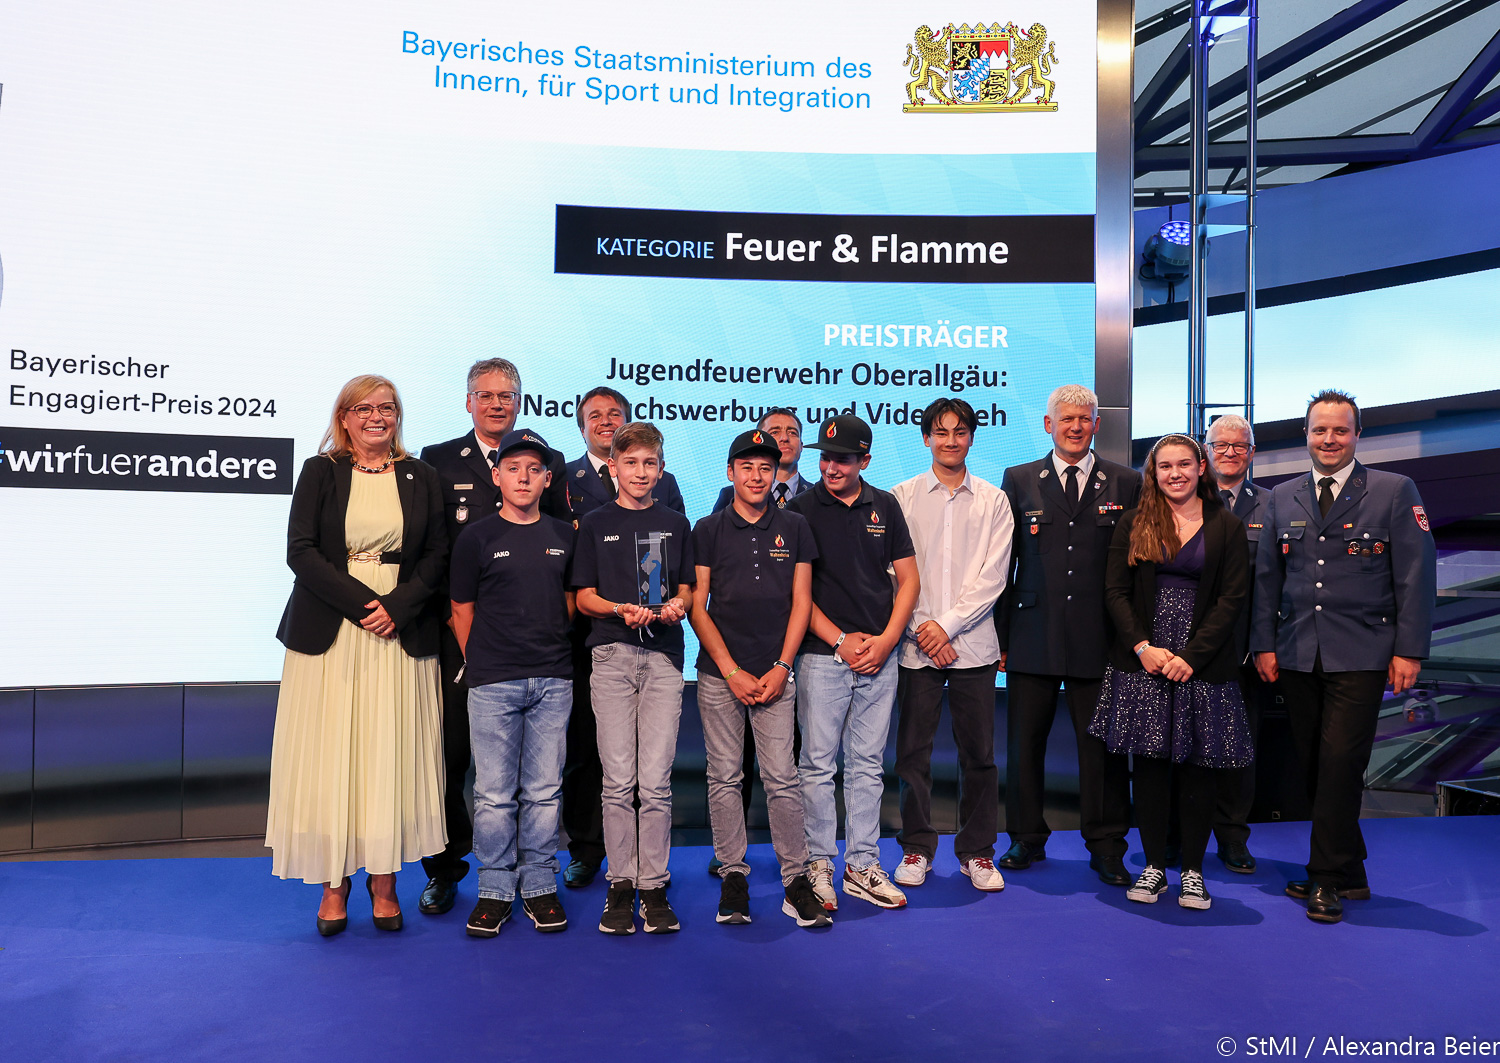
(1231, 448)
(1055, 633)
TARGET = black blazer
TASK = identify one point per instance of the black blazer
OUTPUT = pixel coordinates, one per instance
(586, 491)
(1130, 594)
(324, 594)
(1051, 620)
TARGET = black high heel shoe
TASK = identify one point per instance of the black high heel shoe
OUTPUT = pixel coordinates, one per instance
(330, 927)
(382, 922)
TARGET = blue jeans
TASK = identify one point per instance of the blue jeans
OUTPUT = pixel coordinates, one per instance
(836, 705)
(519, 733)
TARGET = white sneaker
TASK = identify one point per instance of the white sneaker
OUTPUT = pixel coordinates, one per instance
(870, 884)
(912, 871)
(820, 874)
(982, 872)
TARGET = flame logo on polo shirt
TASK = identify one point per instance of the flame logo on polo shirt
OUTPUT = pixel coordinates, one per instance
(780, 542)
(874, 517)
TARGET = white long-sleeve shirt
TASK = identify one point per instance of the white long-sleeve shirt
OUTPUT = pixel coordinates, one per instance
(963, 541)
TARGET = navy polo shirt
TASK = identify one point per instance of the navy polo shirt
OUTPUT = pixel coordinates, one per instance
(751, 569)
(638, 556)
(856, 546)
(517, 577)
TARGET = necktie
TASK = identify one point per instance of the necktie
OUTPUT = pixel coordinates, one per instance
(1325, 494)
(781, 496)
(1228, 497)
(609, 481)
(493, 456)
(1071, 487)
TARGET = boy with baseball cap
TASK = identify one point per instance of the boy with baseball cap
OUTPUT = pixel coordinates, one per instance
(847, 668)
(750, 610)
(511, 611)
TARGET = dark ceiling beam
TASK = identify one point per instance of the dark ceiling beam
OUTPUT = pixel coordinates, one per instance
(1301, 151)
(1352, 62)
(1167, 79)
(1288, 55)
(1479, 73)
(1486, 106)
(1163, 22)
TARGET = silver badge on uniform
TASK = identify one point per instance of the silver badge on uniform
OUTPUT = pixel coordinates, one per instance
(1043, 474)
(462, 514)
(465, 452)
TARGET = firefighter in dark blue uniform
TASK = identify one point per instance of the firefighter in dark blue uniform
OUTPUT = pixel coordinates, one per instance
(1346, 577)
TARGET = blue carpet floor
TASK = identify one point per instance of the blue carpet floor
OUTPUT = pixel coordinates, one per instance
(214, 959)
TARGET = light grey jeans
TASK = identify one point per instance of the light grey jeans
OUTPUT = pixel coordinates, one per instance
(724, 739)
(637, 696)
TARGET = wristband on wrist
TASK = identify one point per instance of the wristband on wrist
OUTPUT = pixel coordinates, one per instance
(616, 609)
(783, 664)
(1142, 648)
(842, 636)
(732, 671)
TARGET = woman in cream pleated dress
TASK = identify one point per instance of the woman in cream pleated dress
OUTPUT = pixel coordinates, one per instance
(356, 763)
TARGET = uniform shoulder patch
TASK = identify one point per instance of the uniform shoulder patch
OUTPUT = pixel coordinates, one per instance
(1421, 515)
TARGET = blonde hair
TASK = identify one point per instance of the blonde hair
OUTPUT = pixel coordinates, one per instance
(636, 434)
(336, 442)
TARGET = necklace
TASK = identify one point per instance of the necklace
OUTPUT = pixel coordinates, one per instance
(373, 472)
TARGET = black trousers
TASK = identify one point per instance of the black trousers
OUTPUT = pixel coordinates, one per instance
(583, 775)
(1333, 717)
(971, 705)
(450, 864)
(1103, 777)
(1155, 780)
(1236, 786)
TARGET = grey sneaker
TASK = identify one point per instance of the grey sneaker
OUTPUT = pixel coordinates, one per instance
(820, 874)
(870, 884)
(1149, 885)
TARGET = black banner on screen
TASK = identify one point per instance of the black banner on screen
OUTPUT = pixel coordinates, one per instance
(133, 461)
(878, 248)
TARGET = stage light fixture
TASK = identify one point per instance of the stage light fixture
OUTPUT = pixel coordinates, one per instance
(1167, 253)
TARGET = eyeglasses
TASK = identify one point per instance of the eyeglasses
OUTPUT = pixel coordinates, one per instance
(364, 411)
(1229, 448)
(507, 399)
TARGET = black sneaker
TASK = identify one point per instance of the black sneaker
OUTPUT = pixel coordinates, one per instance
(545, 912)
(1149, 885)
(619, 909)
(804, 905)
(488, 916)
(734, 899)
(1193, 893)
(657, 913)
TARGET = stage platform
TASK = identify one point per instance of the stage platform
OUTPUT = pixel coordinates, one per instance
(188, 959)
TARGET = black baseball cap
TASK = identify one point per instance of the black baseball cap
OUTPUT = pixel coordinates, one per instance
(844, 434)
(525, 439)
(755, 443)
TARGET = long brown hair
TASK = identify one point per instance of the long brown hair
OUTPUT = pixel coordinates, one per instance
(335, 442)
(1154, 536)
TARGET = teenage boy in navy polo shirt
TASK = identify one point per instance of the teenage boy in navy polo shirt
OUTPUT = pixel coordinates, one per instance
(750, 610)
(634, 575)
(511, 609)
(847, 669)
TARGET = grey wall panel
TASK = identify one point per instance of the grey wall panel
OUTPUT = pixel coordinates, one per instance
(226, 758)
(16, 710)
(108, 765)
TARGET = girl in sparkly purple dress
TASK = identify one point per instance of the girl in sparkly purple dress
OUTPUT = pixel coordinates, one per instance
(1178, 576)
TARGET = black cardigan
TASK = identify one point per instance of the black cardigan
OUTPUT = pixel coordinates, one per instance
(1130, 595)
(324, 594)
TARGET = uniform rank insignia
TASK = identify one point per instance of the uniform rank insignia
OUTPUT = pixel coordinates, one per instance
(1109, 508)
(1255, 527)
(1421, 515)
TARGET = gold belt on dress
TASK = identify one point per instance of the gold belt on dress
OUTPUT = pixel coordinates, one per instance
(375, 557)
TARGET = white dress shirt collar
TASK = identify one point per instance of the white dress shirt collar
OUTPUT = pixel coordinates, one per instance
(1085, 467)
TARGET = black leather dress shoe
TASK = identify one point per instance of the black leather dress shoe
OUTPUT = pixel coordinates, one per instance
(579, 873)
(438, 897)
(1020, 856)
(1111, 870)
(1236, 857)
(1302, 889)
(1324, 905)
